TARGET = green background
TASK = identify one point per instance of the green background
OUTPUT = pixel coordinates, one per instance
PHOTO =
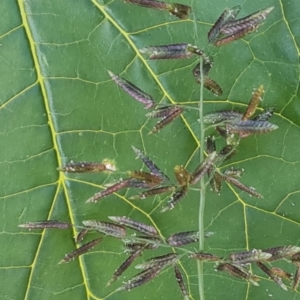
(57, 103)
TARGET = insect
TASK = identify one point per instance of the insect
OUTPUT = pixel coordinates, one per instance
(81, 250)
(204, 256)
(256, 98)
(85, 167)
(267, 271)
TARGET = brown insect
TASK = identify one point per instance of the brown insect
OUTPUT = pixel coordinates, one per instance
(256, 98)
(86, 167)
(275, 278)
(204, 256)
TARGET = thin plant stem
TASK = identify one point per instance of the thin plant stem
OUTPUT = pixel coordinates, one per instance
(202, 183)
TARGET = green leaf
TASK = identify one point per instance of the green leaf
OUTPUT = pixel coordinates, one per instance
(58, 104)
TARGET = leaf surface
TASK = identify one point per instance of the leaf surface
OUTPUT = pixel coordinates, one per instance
(58, 104)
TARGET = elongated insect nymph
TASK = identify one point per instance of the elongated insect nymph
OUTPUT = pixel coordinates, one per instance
(111, 189)
(256, 98)
(267, 271)
(181, 11)
(249, 256)
(172, 51)
(182, 175)
(135, 225)
(167, 120)
(159, 261)
(133, 91)
(86, 167)
(46, 224)
(238, 272)
(150, 164)
(281, 273)
(107, 228)
(155, 191)
(180, 281)
(204, 256)
(153, 243)
(183, 238)
(81, 250)
(202, 169)
(125, 265)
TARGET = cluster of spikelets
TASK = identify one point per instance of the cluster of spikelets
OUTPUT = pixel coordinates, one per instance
(232, 125)
(235, 264)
